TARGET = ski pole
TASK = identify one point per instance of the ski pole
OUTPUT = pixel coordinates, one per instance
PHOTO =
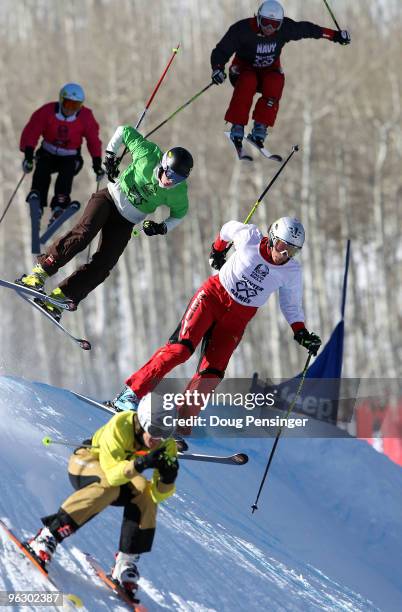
(271, 456)
(272, 181)
(47, 441)
(197, 95)
(12, 197)
(148, 104)
(153, 94)
(332, 15)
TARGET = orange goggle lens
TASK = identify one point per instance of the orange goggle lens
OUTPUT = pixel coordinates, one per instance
(71, 105)
(281, 246)
(270, 24)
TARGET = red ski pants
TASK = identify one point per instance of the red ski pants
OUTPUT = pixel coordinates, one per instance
(247, 81)
(211, 313)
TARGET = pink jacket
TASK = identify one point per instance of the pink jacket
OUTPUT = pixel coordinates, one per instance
(61, 132)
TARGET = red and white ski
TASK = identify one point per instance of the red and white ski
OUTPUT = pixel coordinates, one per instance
(73, 601)
(133, 604)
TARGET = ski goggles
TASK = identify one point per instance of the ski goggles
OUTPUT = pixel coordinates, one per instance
(173, 176)
(71, 105)
(270, 25)
(284, 247)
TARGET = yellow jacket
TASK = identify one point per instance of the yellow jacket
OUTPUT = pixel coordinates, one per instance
(115, 446)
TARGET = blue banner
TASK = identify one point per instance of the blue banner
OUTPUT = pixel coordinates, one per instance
(319, 397)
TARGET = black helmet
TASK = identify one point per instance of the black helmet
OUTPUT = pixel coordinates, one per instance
(177, 164)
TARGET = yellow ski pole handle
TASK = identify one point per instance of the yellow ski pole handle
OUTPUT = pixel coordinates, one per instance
(75, 600)
(271, 182)
(252, 211)
(136, 232)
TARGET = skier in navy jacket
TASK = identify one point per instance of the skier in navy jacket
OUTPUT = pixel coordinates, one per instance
(257, 43)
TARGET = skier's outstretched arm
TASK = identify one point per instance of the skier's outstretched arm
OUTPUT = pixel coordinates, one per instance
(232, 232)
(297, 30)
(177, 213)
(222, 53)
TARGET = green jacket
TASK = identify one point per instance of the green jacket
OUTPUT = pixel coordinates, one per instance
(139, 183)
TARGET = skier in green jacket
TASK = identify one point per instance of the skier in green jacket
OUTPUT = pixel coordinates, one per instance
(152, 179)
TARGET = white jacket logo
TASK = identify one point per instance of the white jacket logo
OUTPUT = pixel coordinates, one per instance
(260, 272)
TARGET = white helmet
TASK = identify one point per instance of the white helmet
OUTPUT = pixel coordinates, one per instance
(152, 416)
(270, 16)
(289, 230)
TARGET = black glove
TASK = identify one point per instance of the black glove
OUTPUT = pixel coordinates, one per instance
(218, 76)
(151, 460)
(97, 168)
(151, 228)
(342, 37)
(310, 341)
(111, 164)
(27, 164)
(168, 468)
(79, 162)
(217, 258)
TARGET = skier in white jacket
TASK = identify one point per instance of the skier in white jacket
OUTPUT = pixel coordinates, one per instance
(221, 308)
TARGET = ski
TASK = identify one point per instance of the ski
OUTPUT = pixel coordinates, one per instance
(36, 213)
(93, 402)
(236, 459)
(264, 152)
(181, 443)
(34, 293)
(82, 342)
(240, 151)
(73, 601)
(53, 227)
(133, 604)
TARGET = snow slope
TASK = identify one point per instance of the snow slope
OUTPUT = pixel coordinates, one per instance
(327, 535)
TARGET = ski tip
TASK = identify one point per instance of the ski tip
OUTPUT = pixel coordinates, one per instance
(85, 344)
(277, 158)
(240, 458)
(240, 151)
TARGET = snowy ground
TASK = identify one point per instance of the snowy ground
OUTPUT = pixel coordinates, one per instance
(327, 535)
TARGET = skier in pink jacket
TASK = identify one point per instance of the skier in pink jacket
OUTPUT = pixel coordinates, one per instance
(63, 125)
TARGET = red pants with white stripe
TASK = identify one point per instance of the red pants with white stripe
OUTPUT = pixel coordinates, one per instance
(247, 82)
(211, 313)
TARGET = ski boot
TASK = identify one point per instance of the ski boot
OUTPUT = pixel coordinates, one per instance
(43, 545)
(237, 135)
(50, 308)
(35, 280)
(126, 400)
(258, 134)
(125, 573)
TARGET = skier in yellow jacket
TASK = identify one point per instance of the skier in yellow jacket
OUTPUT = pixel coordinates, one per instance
(108, 470)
